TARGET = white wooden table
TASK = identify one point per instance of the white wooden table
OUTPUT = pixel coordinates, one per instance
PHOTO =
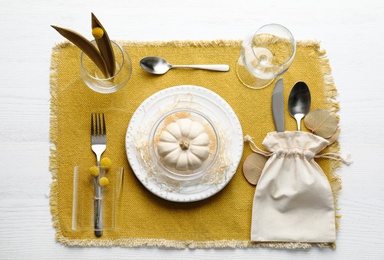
(351, 32)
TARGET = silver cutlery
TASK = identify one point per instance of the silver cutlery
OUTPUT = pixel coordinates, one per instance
(299, 102)
(98, 145)
(278, 105)
(159, 66)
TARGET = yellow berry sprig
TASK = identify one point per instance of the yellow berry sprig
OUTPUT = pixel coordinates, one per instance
(105, 163)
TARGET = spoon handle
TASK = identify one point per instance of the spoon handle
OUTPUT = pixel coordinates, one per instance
(298, 118)
(298, 121)
(213, 67)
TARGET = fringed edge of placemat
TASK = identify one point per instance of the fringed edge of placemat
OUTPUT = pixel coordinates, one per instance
(53, 133)
(334, 107)
(334, 179)
(176, 244)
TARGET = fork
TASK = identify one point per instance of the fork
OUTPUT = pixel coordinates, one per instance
(98, 145)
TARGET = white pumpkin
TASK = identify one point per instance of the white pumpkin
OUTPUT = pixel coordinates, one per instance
(184, 145)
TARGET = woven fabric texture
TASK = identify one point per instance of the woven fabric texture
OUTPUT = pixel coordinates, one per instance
(141, 218)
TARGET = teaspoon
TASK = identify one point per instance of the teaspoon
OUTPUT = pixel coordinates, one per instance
(299, 102)
(158, 65)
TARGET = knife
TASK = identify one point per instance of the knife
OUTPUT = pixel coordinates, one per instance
(278, 105)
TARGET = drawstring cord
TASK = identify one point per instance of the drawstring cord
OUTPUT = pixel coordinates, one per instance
(255, 148)
(337, 157)
(333, 156)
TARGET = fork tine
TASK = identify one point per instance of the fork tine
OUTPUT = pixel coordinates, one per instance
(98, 125)
(104, 127)
(92, 125)
(101, 125)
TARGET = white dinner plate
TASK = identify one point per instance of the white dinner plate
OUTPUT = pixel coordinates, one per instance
(185, 96)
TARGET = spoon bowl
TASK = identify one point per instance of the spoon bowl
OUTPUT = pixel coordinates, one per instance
(299, 102)
(159, 66)
(155, 65)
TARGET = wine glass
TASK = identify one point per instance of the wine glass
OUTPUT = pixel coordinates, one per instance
(265, 55)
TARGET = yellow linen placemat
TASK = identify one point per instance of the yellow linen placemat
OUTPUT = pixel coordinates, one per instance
(141, 218)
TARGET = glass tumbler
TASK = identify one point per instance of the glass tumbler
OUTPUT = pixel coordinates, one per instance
(95, 79)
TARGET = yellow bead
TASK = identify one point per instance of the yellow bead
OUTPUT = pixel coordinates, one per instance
(103, 181)
(94, 170)
(105, 163)
(97, 32)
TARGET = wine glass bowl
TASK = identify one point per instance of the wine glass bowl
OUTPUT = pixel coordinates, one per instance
(265, 55)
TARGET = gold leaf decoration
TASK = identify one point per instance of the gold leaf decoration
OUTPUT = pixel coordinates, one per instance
(86, 46)
(105, 47)
(253, 166)
(321, 123)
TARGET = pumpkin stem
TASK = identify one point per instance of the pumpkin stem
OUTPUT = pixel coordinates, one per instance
(184, 145)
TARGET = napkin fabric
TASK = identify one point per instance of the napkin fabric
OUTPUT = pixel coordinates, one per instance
(137, 217)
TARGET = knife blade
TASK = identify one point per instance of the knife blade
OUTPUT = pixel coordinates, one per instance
(278, 105)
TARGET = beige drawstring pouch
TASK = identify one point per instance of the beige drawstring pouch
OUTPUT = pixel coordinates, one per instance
(293, 201)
